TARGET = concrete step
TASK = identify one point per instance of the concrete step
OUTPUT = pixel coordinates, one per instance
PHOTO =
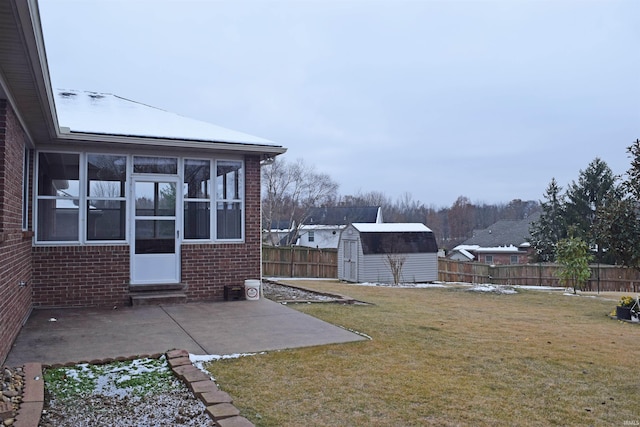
(157, 287)
(158, 298)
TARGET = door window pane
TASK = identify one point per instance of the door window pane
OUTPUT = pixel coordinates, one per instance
(155, 198)
(155, 236)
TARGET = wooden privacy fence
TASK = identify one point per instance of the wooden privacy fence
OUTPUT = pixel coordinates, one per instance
(299, 262)
(603, 277)
(459, 271)
(323, 263)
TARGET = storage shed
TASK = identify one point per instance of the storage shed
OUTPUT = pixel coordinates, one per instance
(364, 251)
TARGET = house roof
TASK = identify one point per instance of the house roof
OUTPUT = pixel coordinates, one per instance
(108, 114)
(504, 233)
(401, 227)
(464, 253)
(342, 215)
(281, 224)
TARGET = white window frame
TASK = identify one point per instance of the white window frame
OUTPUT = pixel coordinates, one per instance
(38, 198)
(84, 238)
(217, 200)
(210, 199)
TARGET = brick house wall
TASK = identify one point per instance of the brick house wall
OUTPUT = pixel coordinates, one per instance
(500, 258)
(80, 276)
(15, 245)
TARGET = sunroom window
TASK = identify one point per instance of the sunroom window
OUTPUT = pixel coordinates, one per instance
(106, 197)
(229, 196)
(197, 199)
(58, 196)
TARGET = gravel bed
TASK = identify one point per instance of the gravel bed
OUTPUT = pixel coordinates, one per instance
(11, 388)
(281, 293)
(174, 408)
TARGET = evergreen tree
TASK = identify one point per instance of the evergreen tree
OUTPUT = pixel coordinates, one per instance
(586, 199)
(620, 221)
(551, 227)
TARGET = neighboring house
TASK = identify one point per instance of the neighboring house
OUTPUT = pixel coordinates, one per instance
(102, 198)
(321, 228)
(365, 249)
(504, 242)
(279, 233)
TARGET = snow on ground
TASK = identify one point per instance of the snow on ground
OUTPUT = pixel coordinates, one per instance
(200, 360)
(497, 289)
(401, 285)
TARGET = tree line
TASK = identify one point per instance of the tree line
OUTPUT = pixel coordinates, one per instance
(291, 189)
(600, 209)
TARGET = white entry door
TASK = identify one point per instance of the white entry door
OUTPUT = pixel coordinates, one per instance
(155, 242)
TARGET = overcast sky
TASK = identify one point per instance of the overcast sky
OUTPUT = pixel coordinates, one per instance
(439, 99)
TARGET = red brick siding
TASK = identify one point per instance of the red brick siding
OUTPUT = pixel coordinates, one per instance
(81, 276)
(15, 248)
(500, 258)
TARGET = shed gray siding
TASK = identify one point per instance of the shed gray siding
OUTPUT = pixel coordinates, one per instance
(421, 267)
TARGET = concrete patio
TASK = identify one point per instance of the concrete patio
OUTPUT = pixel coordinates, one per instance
(83, 334)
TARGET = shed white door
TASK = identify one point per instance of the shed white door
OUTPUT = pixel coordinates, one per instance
(155, 248)
(350, 259)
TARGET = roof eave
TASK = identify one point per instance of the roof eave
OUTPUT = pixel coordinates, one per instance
(245, 148)
(26, 83)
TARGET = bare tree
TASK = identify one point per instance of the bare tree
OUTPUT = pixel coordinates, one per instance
(395, 262)
(461, 218)
(290, 190)
(394, 247)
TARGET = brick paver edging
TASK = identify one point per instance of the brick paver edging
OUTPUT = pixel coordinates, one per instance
(32, 402)
(218, 403)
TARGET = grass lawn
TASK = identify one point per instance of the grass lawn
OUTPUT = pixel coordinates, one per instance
(447, 356)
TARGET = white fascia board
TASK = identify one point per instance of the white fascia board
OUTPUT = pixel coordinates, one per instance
(267, 150)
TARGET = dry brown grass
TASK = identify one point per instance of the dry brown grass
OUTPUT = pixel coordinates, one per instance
(448, 357)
